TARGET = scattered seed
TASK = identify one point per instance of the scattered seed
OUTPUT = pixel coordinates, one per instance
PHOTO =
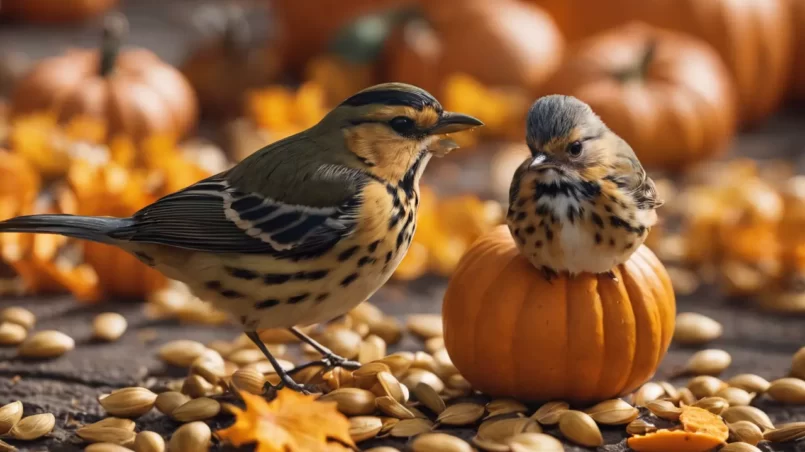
(246, 356)
(429, 397)
(549, 413)
(534, 442)
(342, 341)
(426, 326)
(18, 315)
(411, 427)
(198, 409)
(33, 427)
(104, 434)
(739, 447)
(580, 428)
(192, 437)
(444, 365)
(439, 442)
(696, 329)
(671, 393)
(735, 396)
(417, 376)
(640, 427)
(393, 408)
(434, 344)
(249, 380)
(128, 402)
(458, 381)
(788, 390)
(116, 422)
(389, 386)
(12, 333)
(196, 386)
(499, 430)
(746, 432)
(397, 363)
(499, 407)
(715, 405)
(749, 383)
(109, 326)
(648, 392)
(209, 365)
(6, 447)
(705, 386)
(46, 344)
(352, 401)
(748, 413)
(167, 402)
(708, 362)
(388, 424)
(686, 396)
(461, 414)
(181, 353)
(613, 412)
(388, 328)
(786, 432)
(362, 428)
(424, 361)
(664, 409)
(106, 447)
(488, 445)
(372, 348)
(10, 414)
(366, 376)
(798, 364)
(149, 442)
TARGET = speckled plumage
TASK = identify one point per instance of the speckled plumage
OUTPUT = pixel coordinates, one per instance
(582, 202)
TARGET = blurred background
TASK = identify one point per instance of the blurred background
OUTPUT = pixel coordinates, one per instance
(107, 105)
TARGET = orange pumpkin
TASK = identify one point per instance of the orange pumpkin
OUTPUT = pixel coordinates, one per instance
(582, 339)
(133, 91)
(55, 11)
(502, 43)
(798, 66)
(666, 94)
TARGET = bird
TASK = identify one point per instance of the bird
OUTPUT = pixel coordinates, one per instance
(302, 230)
(581, 201)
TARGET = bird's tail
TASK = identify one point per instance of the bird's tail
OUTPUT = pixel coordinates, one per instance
(95, 229)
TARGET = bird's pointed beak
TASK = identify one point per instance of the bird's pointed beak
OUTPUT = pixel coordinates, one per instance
(451, 122)
(541, 160)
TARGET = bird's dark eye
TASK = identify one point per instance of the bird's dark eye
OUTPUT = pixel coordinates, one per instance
(575, 148)
(402, 125)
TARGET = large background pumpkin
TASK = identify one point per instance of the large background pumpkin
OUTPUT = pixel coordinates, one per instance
(511, 333)
(54, 11)
(798, 31)
(133, 91)
(668, 95)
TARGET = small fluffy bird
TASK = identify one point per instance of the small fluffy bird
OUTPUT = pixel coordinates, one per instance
(301, 231)
(581, 202)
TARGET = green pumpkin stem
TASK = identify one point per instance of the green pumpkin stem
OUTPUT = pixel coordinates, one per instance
(115, 27)
(639, 71)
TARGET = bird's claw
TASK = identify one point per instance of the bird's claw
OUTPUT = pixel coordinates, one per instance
(292, 385)
(334, 360)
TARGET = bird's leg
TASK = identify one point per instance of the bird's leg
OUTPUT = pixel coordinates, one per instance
(285, 379)
(549, 273)
(611, 275)
(329, 359)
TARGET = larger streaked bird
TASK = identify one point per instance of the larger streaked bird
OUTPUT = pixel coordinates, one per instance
(301, 231)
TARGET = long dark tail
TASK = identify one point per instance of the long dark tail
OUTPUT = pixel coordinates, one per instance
(95, 229)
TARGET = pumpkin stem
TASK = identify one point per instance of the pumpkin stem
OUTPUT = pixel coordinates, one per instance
(237, 32)
(115, 26)
(363, 39)
(639, 71)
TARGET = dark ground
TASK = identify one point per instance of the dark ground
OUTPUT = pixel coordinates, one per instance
(760, 343)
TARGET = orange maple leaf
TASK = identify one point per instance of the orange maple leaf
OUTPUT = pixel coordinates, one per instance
(292, 422)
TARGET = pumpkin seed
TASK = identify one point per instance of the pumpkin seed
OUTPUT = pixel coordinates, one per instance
(444, 364)
(664, 409)
(695, 329)
(10, 414)
(534, 442)
(424, 361)
(671, 393)
(372, 348)
(367, 313)
(382, 449)
(429, 397)
(416, 412)
(209, 365)
(46, 344)
(167, 402)
(686, 397)
(264, 366)
(338, 378)
(246, 356)
(613, 412)
(352, 401)
(192, 437)
(499, 407)
(33, 427)
(786, 432)
(788, 390)
(549, 413)
(705, 386)
(224, 348)
(458, 381)
(389, 386)
(434, 344)
(12, 333)
(640, 427)
(748, 413)
(439, 442)
(749, 383)
(411, 427)
(362, 428)
(388, 424)
(342, 341)
(6, 447)
(393, 408)
(735, 396)
(417, 376)
(425, 326)
(106, 447)
(388, 328)
(397, 363)
(181, 353)
(249, 380)
(197, 386)
(580, 428)
(197, 410)
(499, 430)
(128, 402)
(739, 447)
(489, 445)
(366, 376)
(149, 442)
(18, 315)
(648, 392)
(461, 414)
(109, 326)
(104, 434)
(715, 405)
(746, 432)
(798, 364)
(708, 362)
(116, 422)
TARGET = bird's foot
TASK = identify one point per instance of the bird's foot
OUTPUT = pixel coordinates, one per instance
(334, 360)
(287, 382)
(611, 275)
(549, 273)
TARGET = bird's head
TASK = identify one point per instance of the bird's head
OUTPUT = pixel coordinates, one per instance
(390, 128)
(566, 136)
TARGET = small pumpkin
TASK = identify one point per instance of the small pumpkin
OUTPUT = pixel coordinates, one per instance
(228, 63)
(132, 91)
(666, 94)
(798, 31)
(55, 11)
(582, 339)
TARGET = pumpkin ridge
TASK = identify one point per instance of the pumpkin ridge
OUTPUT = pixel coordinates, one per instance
(648, 278)
(523, 320)
(642, 308)
(654, 279)
(619, 290)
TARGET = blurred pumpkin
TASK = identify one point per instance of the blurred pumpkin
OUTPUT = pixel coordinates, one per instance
(798, 31)
(583, 339)
(19, 184)
(133, 91)
(666, 94)
(502, 43)
(229, 63)
(54, 11)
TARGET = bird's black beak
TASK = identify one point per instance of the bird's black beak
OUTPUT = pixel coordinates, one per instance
(454, 122)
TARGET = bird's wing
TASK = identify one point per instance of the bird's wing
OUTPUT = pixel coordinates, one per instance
(216, 216)
(633, 177)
